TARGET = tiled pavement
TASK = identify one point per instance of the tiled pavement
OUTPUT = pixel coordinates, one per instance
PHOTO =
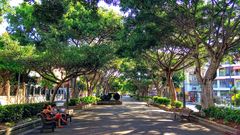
(130, 118)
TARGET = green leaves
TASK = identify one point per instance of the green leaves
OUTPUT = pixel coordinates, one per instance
(4, 6)
(12, 54)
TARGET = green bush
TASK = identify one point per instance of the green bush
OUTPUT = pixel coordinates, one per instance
(89, 99)
(74, 101)
(199, 107)
(16, 112)
(227, 114)
(162, 100)
(237, 100)
(178, 104)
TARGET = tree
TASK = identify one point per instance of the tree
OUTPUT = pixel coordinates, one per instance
(212, 26)
(12, 56)
(170, 59)
(150, 35)
(65, 41)
(3, 8)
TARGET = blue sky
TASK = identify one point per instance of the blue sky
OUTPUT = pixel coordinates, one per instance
(17, 2)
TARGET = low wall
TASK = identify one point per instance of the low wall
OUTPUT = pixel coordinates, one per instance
(4, 100)
(21, 128)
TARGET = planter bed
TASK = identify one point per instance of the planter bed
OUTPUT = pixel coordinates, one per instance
(217, 124)
(21, 127)
(24, 126)
(163, 107)
(111, 102)
(80, 106)
(214, 124)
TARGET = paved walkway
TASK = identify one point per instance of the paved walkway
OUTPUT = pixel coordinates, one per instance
(130, 118)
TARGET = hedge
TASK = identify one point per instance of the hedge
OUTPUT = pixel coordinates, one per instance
(16, 112)
(178, 104)
(86, 100)
(74, 101)
(89, 99)
(227, 114)
(162, 100)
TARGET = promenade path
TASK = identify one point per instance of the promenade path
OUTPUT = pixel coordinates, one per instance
(131, 118)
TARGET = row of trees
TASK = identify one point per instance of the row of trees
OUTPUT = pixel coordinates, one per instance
(178, 34)
(63, 39)
(147, 48)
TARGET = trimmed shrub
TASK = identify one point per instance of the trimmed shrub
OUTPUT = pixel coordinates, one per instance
(178, 104)
(16, 112)
(74, 101)
(162, 100)
(89, 99)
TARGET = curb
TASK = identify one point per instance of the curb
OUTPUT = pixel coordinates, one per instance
(213, 124)
(28, 126)
(21, 128)
(220, 127)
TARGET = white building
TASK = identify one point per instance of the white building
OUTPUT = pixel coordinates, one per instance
(227, 77)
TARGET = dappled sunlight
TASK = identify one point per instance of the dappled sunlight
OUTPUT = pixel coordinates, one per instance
(123, 132)
(80, 128)
(169, 134)
(114, 126)
(153, 132)
(164, 120)
(193, 127)
(105, 114)
(122, 120)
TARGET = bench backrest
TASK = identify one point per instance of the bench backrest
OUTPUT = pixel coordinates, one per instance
(43, 117)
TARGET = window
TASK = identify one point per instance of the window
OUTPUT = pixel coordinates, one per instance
(237, 83)
(237, 72)
(215, 84)
(225, 83)
(222, 72)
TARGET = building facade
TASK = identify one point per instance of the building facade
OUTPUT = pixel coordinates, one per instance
(227, 79)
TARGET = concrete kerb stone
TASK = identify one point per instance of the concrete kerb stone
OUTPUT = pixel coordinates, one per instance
(33, 124)
(21, 128)
(220, 127)
(213, 124)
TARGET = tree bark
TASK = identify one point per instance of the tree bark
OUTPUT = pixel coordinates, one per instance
(207, 95)
(207, 80)
(55, 89)
(6, 84)
(75, 90)
(170, 84)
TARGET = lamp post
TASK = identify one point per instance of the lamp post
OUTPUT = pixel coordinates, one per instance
(67, 100)
(183, 90)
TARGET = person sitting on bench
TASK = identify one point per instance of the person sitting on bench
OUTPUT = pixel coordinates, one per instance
(57, 117)
(55, 111)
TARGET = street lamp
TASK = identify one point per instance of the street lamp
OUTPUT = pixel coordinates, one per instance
(183, 90)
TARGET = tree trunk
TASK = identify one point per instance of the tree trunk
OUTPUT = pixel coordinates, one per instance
(23, 93)
(55, 89)
(6, 83)
(75, 90)
(206, 81)
(207, 94)
(170, 84)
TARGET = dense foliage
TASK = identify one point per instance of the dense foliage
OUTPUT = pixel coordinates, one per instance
(84, 100)
(162, 100)
(226, 114)
(16, 112)
(178, 104)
